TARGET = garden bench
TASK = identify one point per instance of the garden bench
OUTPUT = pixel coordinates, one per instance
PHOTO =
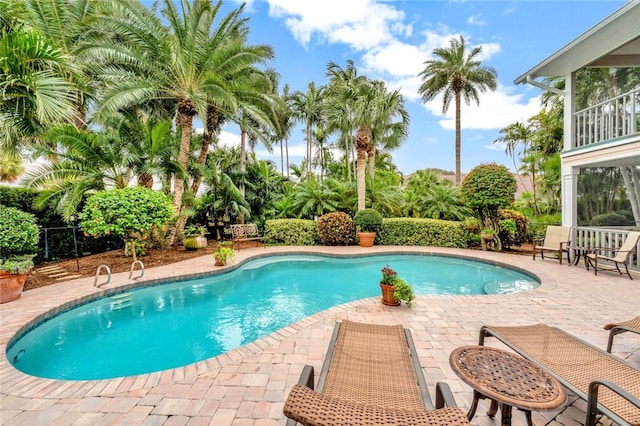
(243, 232)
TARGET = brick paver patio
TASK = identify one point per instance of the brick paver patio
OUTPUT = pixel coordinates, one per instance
(248, 386)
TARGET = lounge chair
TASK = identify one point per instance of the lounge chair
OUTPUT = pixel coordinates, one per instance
(556, 239)
(632, 325)
(371, 376)
(580, 367)
(622, 255)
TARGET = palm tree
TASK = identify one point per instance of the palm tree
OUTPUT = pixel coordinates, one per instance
(456, 74)
(371, 110)
(36, 90)
(512, 135)
(313, 199)
(308, 107)
(147, 61)
(87, 161)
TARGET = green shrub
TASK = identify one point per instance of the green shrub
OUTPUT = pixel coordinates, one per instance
(19, 237)
(290, 232)
(487, 188)
(472, 225)
(473, 240)
(609, 219)
(422, 232)
(129, 213)
(512, 233)
(335, 229)
(140, 245)
(403, 291)
(368, 220)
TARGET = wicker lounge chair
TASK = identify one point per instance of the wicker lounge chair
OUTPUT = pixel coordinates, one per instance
(632, 325)
(556, 239)
(371, 376)
(580, 367)
(622, 256)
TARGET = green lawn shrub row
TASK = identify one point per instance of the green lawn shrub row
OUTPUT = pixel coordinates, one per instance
(290, 232)
(422, 232)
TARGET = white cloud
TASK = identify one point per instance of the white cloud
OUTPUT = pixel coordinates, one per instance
(488, 50)
(361, 24)
(496, 110)
(228, 139)
(476, 20)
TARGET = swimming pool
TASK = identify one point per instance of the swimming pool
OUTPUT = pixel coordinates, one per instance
(170, 325)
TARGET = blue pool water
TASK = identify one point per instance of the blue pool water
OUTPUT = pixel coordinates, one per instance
(170, 325)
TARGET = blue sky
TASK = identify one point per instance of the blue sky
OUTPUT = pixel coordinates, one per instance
(390, 40)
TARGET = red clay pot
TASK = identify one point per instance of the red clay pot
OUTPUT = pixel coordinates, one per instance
(11, 286)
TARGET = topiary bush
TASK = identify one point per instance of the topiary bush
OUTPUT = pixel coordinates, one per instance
(487, 188)
(368, 220)
(19, 237)
(290, 232)
(335, 229)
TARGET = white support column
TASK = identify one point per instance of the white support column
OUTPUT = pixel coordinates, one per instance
(569, 184)
(569, 189)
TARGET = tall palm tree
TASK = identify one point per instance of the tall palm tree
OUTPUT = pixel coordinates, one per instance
(371, 109)
(148, 61)
(308, 107)
(457, 74)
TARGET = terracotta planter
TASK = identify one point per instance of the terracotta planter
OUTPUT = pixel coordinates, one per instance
(11, 286)
(366, 238)
(195, 243)
(387, 295)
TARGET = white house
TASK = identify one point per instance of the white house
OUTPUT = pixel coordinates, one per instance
(602, 135)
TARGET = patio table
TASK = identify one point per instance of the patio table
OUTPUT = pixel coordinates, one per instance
(508, 380)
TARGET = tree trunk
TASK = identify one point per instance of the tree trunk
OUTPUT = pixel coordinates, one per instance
(363, 141)
(631, 184)
(286, 147)
(212, 123)
(145, 180)
(308, 150)
(372, 161)
(186, 123)
(458, 176)
(243, 168)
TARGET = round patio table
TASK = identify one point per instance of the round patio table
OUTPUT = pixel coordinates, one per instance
(508, 380)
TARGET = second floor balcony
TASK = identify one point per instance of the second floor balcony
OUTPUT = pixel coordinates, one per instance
(613, 119)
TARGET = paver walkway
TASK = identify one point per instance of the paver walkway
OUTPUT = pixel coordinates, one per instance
(248, 386)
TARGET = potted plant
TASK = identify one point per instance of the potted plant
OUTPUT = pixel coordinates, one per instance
(194, 237)
(223, 255)
(19, 237)
(394, 289)
(368, 223)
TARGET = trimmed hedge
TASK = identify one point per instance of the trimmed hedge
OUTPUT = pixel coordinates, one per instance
(422, 232)
(290, 232)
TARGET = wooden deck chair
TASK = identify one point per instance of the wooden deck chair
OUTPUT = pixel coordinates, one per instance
(622, 256)
(371, 376)
(610, 385)
(633, 325)
(556, 239)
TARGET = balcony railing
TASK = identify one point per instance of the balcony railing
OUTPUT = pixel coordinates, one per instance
(606, 240)
(614, 118)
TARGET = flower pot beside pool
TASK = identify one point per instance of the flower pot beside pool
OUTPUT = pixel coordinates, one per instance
(387, 295)
(11, 286)
(394, 289)
(223, 255)
(368, 222)
(366, 238)
(195, 243)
